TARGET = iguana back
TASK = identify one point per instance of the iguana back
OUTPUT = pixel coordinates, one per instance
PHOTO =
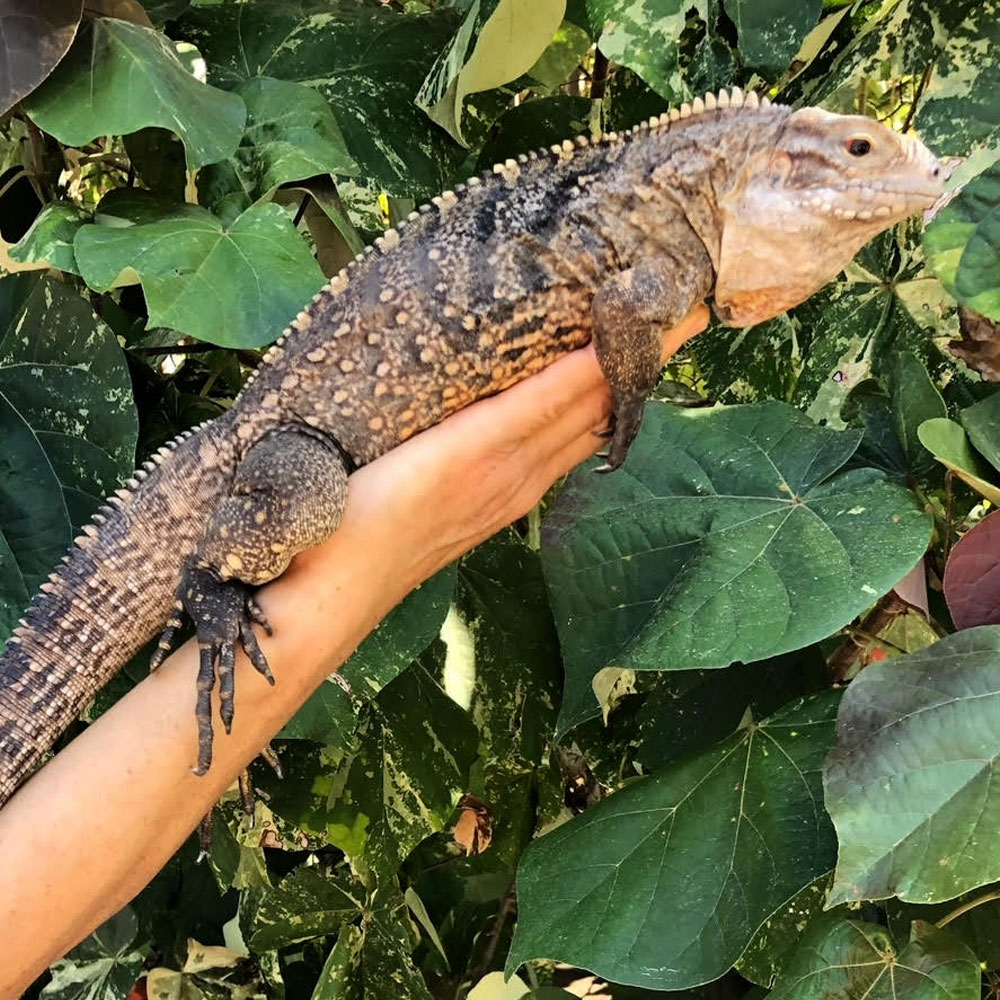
(610, 242)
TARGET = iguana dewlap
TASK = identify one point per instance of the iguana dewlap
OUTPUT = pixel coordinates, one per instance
(611, 241)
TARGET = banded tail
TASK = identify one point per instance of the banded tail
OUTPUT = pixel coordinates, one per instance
(113, 591)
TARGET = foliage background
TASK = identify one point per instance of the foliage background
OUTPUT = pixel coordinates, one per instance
(720, 725)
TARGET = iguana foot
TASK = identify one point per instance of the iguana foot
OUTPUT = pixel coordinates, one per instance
(223, 612)
(625, 423)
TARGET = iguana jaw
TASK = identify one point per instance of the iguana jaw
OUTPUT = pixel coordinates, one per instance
(807, 201)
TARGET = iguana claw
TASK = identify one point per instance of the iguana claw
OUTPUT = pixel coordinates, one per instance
(223, 612)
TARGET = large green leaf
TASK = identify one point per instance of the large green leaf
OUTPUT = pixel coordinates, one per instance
(411, 768)
(306, 904)
(771, 32)
(368, 62)
(848, 958)
(645, 37)
(330, 715)
(497, 42)
(665, 883)
(514, 653)
(291, 134)
(69, 428)
(103, 967)
(959, 108)
(729, 535)
(63, 371)
(372, 962)
(35, 37)
(35, 528)
(119, 77)
(236, 285)
(909, 785)
(963, 244)
(50, 237)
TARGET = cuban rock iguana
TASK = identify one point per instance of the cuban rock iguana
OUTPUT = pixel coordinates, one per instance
(610, 241)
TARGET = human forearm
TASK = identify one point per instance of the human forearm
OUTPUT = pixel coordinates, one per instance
(93, 826)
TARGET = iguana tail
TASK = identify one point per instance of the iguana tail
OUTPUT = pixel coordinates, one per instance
(113, 592)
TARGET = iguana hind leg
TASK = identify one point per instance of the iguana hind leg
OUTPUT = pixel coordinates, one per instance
(288, 494)
(631, 311)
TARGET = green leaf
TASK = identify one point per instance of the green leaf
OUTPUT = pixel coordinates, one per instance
(645, 37)
(497, 42)
(329, 716)
(963, 244)
(373, 962)
(909, 784)
(729, 535)
(665, 883)
(291, 134)
(771, 32)
(947, 442)
(915, 399)
(103, 967)
(532, 125)
(35, 528)
(982, 423)
(236, 285)
(851, 958)
(306, 904)
(68, 428)
(415, 750)
(978, 926)
(767, 954)
(962, 41)
(502, 603)
(50, 237)
(119, 77)
(368, 62)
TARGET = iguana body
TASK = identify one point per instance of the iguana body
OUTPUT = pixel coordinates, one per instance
(612, 241)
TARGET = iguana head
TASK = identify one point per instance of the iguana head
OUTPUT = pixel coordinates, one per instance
(807, 200)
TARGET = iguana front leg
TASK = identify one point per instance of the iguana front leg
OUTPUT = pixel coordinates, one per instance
(288, 495)
(630, 312)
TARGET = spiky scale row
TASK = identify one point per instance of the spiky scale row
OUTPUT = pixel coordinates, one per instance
(509, 170)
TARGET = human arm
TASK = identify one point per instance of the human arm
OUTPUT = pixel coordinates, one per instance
(87, 832)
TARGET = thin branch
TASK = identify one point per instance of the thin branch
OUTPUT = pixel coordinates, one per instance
(924, 80)
(20, 175)
(506, 905)
(959, 911)
(877, 620)
(599, 78)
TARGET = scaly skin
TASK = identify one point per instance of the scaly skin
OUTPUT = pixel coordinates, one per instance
(611, 241)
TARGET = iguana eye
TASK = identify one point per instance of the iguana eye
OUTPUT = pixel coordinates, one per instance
(859, 145)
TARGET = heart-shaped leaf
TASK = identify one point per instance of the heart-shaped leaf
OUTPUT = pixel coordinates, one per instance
(853, 959)
(259, 269)
(120, 77)
(665, 883)
(729, 535)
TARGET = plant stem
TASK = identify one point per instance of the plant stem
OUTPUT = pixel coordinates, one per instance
(959, 911)
(924, 80)
(506, 905)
